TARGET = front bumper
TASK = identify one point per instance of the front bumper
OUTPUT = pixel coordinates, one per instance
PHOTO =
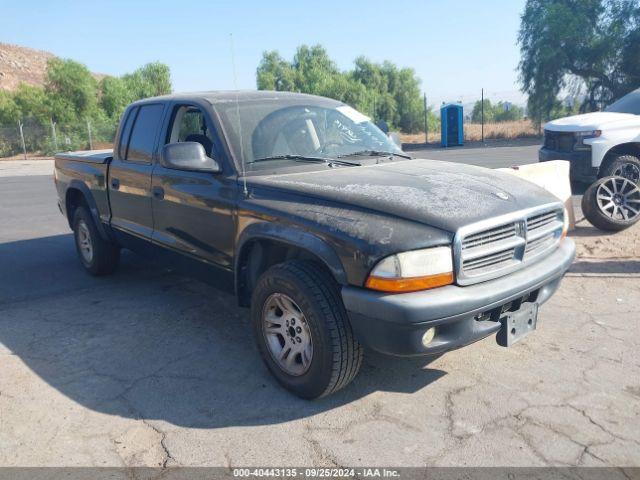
(395, 323)
(580, 163)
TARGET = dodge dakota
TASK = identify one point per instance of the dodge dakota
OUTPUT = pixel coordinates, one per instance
(333, 236)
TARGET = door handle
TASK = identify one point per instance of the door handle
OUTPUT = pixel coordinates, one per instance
(158, 192)
(115, 183)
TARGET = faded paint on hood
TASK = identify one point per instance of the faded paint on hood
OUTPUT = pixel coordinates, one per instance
(440, 194)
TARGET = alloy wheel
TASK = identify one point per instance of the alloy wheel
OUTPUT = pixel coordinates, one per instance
(619, 198)
(287, 334)
(630, 171)
(85, 243)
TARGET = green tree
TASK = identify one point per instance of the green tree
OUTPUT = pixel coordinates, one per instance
(9, 111)
(476, 113)
(595, 43)
(499, 112)
(274, 73)
(71, 90)
(382, 91)
(150, 80)
(409, 101)
(114, 96)
(31, 102)
(507, 112)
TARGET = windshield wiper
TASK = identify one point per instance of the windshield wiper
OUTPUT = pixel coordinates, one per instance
(374, 153)
(305, 158)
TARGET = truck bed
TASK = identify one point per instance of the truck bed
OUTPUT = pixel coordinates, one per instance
(86, 171)
(90, 156)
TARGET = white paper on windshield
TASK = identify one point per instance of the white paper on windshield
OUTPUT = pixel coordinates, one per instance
(352, 114)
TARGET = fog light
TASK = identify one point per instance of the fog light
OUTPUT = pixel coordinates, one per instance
(428, 336)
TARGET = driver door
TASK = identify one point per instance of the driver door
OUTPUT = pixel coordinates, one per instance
(194, 211)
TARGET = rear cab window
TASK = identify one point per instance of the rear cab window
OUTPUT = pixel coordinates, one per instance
(126, 132)
(142, 139)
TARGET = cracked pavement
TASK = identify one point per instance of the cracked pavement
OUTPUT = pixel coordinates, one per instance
(148, 368)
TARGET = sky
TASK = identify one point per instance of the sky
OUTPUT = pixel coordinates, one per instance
(456, 48)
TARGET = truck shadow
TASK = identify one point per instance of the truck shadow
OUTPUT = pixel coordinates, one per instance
(148, 343)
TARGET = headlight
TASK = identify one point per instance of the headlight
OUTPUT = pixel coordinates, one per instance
(413, 271)
(589, 134)
(582, 136)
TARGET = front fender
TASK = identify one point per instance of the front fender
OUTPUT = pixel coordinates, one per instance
(295, 237)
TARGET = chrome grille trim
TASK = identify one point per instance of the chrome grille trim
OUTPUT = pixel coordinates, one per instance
(490, 261)
(498, 246)
(490, 236)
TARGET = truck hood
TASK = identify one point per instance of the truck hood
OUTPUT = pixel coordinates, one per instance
(593, 121)
(439, 194)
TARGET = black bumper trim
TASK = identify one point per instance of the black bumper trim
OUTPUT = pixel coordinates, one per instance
(580, 163)
(394, 324)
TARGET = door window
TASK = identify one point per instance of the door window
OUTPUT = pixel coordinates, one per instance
(143, 135)
(190, 125)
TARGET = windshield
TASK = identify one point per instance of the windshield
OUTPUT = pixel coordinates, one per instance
(630, 103)
(304, 127)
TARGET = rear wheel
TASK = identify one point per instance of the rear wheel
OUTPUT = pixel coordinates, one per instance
(98, 256)
(612, 203)
(303, 331)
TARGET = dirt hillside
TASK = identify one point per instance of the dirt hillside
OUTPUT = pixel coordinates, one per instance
(22, 64)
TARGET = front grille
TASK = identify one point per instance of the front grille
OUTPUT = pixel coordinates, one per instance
(543, 231)
(489, 262)
(539, 245)
(490, 236)
(491, 249)
(559, 141)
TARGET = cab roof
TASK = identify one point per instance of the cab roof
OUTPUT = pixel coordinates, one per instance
(242, 96)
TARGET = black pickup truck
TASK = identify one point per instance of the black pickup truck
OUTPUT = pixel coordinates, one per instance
(314, 218)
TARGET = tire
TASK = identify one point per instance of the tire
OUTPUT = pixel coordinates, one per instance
(627, 166)
(104, 256)
(310, 295)
(607, 212)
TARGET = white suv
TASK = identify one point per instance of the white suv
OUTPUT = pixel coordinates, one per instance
(598, 144)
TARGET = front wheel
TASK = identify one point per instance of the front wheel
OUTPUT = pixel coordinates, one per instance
(627, 166)
(303, 331)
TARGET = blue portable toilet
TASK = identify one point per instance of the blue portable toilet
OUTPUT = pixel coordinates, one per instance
(451, 125)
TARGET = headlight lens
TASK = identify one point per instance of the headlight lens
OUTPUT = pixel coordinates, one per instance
(589, 134)
(413, 271)
(582, 136)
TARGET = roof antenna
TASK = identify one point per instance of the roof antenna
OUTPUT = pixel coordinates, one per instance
(235, 84)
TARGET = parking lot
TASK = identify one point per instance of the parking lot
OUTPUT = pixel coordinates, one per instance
(146, 367)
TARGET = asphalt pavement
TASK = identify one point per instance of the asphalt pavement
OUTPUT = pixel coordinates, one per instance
(146, 367)
(491, 156)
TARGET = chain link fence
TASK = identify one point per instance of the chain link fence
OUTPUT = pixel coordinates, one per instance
(31, 137)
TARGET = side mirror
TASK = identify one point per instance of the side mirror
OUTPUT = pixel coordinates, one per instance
(188, 156)
(384, 126)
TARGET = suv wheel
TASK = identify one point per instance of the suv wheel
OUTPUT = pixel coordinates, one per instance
(97, 256)
(627, 166)
(612, 203)
(303, 331)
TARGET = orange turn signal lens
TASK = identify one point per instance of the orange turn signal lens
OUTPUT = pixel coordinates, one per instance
(565, 224)
(410, 284)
